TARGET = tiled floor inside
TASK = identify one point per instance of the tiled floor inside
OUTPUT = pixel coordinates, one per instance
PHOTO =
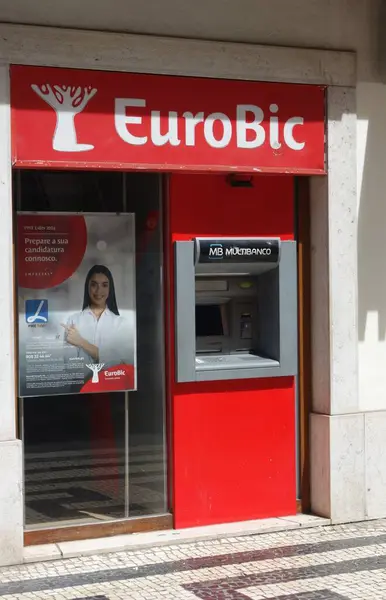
(325, 563)
(65, 486)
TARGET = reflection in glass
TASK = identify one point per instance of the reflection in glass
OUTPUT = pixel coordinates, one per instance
(147, 470)
(74, 458)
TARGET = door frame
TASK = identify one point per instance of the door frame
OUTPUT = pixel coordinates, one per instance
(304, 391)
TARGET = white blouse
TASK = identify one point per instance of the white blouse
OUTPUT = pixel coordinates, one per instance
(110, 333)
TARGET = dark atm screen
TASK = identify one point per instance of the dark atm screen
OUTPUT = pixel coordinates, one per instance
(208, 320)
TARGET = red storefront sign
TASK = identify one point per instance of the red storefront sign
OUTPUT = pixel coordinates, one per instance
(88, 119)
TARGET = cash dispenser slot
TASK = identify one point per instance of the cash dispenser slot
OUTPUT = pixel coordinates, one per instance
(236, 309)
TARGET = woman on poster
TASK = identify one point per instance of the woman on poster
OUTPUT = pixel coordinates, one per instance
(98, 331)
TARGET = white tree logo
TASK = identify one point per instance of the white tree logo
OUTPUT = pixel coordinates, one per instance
(95, 370)
(67, 101)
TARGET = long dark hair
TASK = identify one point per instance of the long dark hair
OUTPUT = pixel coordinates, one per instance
(111, 300)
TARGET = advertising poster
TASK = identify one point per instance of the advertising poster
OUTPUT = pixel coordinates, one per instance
(76, 300)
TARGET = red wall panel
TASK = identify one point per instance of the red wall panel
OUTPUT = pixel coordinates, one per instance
(234, 452)
(233, 441)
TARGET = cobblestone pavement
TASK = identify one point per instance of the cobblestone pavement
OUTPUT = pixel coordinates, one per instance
(327, 563)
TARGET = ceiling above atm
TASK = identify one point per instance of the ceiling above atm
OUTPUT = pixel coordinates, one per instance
(313, 23)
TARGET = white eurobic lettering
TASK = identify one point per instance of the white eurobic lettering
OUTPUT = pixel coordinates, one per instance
(289, 133)
(252, 128)
(171, 136)
(209, 130)
(191, 121)
(274, 128)
(122, 120)
(118, 373)
(242, 126)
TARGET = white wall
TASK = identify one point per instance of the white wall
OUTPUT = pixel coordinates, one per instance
(371, 180)
(11, 502)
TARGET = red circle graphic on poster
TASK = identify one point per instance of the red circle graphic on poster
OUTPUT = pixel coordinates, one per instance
(50, 249)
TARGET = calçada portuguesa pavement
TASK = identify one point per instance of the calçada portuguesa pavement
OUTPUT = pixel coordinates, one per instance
(345, 562)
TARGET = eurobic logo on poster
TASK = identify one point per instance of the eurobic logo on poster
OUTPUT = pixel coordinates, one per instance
(76, 291)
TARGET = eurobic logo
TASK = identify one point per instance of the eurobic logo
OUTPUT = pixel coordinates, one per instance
(96, 368)
(249, 127)
(67, 102)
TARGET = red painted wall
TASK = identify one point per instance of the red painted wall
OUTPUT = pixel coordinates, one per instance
(233, 441)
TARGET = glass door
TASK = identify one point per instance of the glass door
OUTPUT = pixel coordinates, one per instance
(93, 458)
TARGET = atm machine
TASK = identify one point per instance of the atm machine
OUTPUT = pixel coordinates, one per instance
(235, 309)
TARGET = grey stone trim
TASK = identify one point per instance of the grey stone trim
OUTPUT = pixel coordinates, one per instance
(26, 44)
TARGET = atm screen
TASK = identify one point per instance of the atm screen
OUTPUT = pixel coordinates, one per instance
(209, 320)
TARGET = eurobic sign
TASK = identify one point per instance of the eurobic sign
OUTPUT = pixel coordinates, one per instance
(86, 119)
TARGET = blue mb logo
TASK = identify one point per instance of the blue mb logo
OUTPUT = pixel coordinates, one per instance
(216, 251)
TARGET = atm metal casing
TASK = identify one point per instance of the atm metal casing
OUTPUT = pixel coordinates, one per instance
(269, 299)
